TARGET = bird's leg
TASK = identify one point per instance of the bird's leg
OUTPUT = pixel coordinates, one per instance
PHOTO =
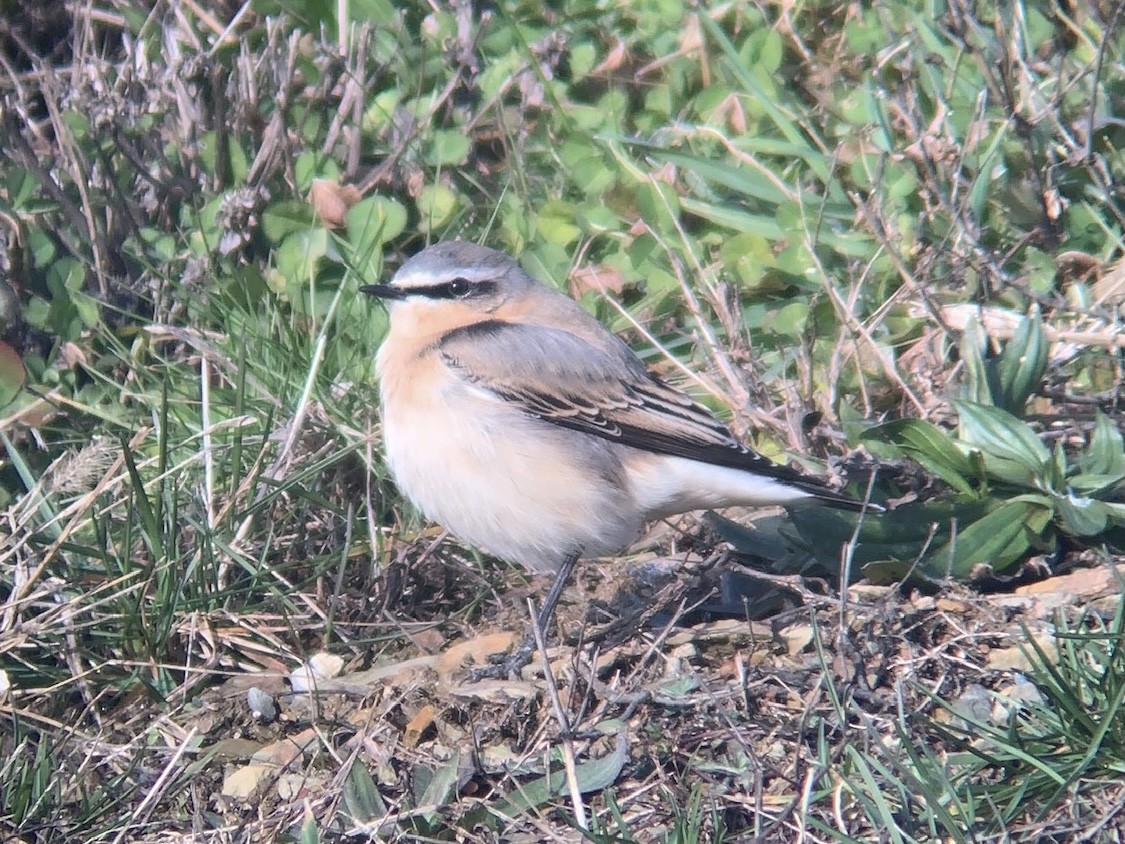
(511, 665)
(562, 577)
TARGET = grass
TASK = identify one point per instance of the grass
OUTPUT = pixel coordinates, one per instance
(784, 208)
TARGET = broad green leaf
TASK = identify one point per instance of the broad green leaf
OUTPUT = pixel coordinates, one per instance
(556, 223)
(372, 222)
(314, 165)
(1094, 485)
(40, 247)
(1020, 366)
(448, 147)
(1082, 516)
(436, 204)
(380, 111)
(361, 796)
(583, 57)
(87, 308)
(309, 832)
(932, 447)
(659, 205)
(280, 219)
(299, 253)
(976, 387)
(1116, 511)
(1105, 455)
(592, 776)
(999, 539)
(12, 373)
(1002, 438)
(790, 320)
(442, 786)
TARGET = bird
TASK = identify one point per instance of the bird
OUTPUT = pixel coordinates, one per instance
(517, 421)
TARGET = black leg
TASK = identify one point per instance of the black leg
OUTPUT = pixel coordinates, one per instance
(521, 656)
(562, 577)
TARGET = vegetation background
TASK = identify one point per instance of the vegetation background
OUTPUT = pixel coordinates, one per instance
(893, 225)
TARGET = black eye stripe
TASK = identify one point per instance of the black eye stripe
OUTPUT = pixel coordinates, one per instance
(457, 288)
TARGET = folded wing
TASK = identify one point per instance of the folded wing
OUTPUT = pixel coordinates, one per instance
(605, 391)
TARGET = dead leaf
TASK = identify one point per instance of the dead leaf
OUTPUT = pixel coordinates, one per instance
(430, 641)
(597, 277)
(282, 753)
(71, 355)
(244, 783)
(418, 725)
(320, 667)
(954, 605)
(613, 60)
(666, 173)
(797, 638)
(331, 200)
(1109, 289)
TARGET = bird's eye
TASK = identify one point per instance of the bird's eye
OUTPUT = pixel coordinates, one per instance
(460, 287)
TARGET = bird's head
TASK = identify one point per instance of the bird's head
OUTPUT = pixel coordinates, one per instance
(453, 282)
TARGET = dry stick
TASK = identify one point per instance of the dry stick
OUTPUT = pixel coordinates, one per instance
(841, 308)
(847, 555)
(721, 362)
(564, 722)
(79, 174)
(226, 36)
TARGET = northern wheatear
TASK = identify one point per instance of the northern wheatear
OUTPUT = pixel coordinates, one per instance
(516, 420)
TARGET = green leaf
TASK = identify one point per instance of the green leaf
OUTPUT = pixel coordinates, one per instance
(309, 832)
(436, 204)
(1021, 365)
(12, 373)
(999, 539)
(1116, 512)
(1012, 452)
(852, 244)
(361, 797)
(313, 165)
(87, 308)
(1082, 516)
(976, 387)
(592, 776)
(298, 254)
(280, 219)
(790, 320)
(932, 447)
(441, 788)
(556, 223)
(374, 221)
(448, 147)
(1094, 485)
(1105, 455)
(1057, 469)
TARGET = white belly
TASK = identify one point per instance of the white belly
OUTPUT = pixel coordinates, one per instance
(507, 483)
